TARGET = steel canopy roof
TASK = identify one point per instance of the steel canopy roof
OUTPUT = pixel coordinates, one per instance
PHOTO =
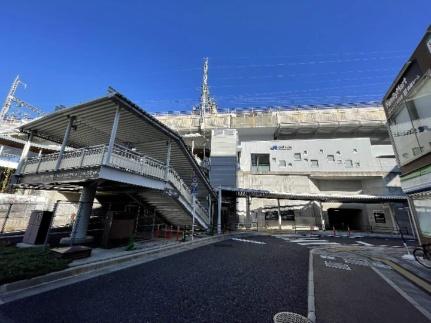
(136, 129)
(347, 198)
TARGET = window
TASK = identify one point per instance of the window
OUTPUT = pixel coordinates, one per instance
(314, 163)
(305, 152)
(321, 151)
(348, 163)
(379, 217)
(358, 164)
(260, 163)
(338, 152)
(297, 156)
(290, 165)
(281, 163)
(331, 158)
(355, 150)
(410, 125)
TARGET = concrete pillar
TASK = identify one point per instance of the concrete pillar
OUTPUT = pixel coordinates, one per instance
(79, 230)
(247, 213)
(168, 158)
(219, 211)
(412, 213)
(1, 149)
(40, 153)
(193, 146)
(65, 141)
(279, 214)
(113, 136)
(24, 153)
(322, 220)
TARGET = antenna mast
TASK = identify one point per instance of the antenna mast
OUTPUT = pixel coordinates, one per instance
(207, 104)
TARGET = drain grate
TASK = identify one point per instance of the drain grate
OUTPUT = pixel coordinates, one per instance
(337, 265)
(289, 317)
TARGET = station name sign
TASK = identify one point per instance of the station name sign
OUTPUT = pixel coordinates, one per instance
(280, 147)
(403, 88)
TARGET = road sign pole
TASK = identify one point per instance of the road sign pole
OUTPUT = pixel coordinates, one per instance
(193, 215)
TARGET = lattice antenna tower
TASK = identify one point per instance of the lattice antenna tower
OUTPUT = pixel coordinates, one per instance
(12, 100)
(207, 104)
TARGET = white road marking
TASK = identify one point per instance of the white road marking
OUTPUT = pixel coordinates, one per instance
(317, 243)
(365, 243)
(304, 240)
(250, 241)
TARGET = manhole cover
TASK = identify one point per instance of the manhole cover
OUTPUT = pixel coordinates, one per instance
(289, 317)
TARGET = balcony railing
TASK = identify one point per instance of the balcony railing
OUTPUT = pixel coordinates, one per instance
(121, 158)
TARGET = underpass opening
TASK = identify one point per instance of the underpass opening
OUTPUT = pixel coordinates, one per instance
(344, 219)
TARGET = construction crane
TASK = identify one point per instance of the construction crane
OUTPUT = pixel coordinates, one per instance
(12, 100)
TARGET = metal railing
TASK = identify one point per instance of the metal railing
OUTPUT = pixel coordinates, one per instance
(121, 158)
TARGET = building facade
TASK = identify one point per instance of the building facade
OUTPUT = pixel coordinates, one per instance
(407, 105)
(341, 151)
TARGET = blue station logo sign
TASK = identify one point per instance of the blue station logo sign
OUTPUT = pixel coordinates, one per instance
(280, 147)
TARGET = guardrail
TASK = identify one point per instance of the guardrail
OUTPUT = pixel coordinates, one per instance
(121, 158)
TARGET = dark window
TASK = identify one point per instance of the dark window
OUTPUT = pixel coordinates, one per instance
(260, 163)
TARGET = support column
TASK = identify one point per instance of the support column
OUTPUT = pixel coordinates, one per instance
(279, 214)
(65, 141)
(40, 153)
(113, 136)
(193, 146)
(219, 211)
(412, 213)
(322, 220)
(168, 158)
(247, 213)
(24, 152)
(209, 210)
(79, 230)
(1, 149)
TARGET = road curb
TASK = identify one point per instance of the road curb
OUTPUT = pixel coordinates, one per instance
(406, 273)
(71, 272)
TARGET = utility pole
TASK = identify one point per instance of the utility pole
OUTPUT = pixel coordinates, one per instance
(11, 99)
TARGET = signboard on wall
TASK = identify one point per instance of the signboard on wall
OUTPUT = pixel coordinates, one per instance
(379, 217)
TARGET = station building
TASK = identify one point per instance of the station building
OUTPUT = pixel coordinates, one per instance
(330, 167)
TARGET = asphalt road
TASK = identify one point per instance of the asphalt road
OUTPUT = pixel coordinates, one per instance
(230, 281)
(358, 295)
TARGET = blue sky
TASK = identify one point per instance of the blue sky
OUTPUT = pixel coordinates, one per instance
(260, 52)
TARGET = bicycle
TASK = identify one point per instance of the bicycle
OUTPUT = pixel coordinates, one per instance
(423, 256)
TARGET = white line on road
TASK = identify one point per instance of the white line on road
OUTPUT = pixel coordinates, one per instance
(316, 243)
(304, 240)
(250, 241)
(365, 243)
